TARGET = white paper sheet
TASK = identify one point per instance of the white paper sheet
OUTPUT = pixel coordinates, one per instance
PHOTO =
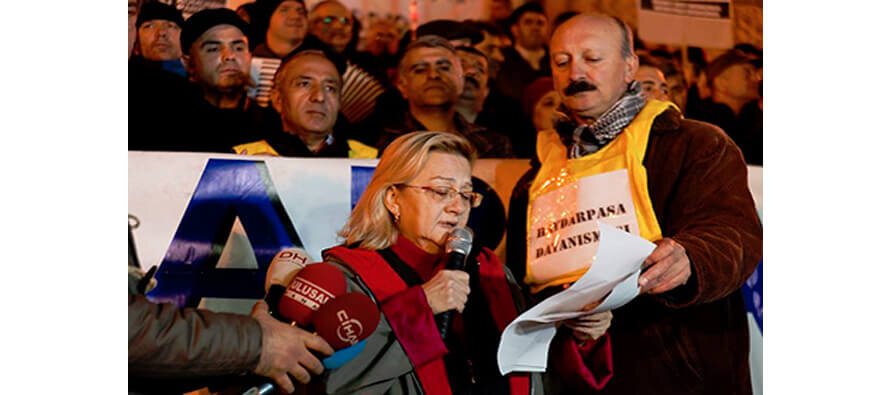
(616, 268)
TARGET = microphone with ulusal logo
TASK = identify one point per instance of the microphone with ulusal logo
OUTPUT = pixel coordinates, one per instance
(457, 246)
(312, 287)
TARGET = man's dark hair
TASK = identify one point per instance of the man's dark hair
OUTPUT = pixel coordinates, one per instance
(487, 27)
(474, 51)
(428, 41)
(530, 6)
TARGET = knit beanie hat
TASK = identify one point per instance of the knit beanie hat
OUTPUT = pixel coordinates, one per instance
(535, 92)
(203, 20)
(155, 10)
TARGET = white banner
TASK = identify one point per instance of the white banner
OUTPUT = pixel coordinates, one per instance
(701, 23)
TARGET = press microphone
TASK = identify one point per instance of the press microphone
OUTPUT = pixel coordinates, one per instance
(457, 246)
(281, 272)
(345, 323)
(312, 287)
(285, 265)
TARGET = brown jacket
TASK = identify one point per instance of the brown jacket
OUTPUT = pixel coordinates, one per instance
(693, 339)
(166, 342)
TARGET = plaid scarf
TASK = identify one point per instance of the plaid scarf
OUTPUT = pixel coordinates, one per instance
(587, 139)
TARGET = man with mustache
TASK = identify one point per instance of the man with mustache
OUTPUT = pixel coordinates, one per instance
(687, 332)
(475, 66)
(430, 78)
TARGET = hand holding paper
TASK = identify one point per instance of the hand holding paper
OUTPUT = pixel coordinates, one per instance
(525, 342)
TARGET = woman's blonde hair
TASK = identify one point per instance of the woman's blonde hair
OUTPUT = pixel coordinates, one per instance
(371, 225)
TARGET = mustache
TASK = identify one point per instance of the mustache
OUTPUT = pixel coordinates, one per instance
(578, 87)
(473, 81)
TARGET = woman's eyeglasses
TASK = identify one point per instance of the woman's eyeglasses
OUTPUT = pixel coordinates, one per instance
(447, 194)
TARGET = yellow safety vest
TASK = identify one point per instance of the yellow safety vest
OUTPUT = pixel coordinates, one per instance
(625, 152)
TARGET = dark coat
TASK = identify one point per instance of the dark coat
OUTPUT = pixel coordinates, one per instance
(693, 339)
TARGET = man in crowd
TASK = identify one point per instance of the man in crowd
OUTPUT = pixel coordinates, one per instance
(687, 332)
(217, 114)
(734, 104)
(431, 79)
(490, 45)
(307, 95)
(157, 43)
(676, 84)
(475, 67)
(282, 25)
(332, 23)
(653, 85)
(527, 59)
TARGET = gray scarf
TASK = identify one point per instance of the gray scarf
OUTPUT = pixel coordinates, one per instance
(587, 139)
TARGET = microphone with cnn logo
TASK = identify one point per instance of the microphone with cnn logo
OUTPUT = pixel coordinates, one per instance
(345, 323)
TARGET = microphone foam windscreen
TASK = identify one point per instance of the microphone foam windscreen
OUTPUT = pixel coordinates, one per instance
(346, 320)
(285, 265)
(312, 287)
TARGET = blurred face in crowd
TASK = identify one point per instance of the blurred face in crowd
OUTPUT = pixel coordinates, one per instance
(589, 71)
(739, 81)
(677, 90)
(133, 12)
(288, 22)
(428, 216)
(382, 37)
(545, 111)
(307, 95)
(499, 9)
(159, 40)
(489, 46)
(530, 32)
(430, 77)
(475, 69)
(220, 59)
(653, 83)
(332, 23)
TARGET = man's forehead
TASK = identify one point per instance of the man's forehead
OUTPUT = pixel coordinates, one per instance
(289, 3)
(586, 34)
(531, 15)
(159, 21)
(311, 64)
(429, 55)
(332, 8)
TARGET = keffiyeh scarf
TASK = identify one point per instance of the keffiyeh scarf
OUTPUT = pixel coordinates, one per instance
(587, 139)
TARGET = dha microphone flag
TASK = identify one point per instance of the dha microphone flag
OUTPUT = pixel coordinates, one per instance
(312, 287)
(285, 265)
(346, 320)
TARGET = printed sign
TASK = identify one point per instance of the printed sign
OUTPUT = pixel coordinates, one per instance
(563, 235)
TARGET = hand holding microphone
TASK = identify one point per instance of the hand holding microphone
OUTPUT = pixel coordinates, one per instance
(447, 290)
(457, 287)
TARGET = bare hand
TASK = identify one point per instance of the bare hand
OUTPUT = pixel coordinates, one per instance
(447, 290)
(666, 268)
(286, 350)
(590, 327)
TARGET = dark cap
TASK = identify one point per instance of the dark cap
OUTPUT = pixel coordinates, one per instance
(451, 30)
(203, 20)
(530, 6)
(534, 92)
(155, 10)
(725, 61)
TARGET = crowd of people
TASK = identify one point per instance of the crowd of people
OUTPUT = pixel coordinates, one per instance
(217, 82)
(593, 99)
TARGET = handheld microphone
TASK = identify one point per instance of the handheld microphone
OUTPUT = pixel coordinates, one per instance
(281, 272)
(313, 286)
(345, 323)
(285, 265)
(457, 246)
